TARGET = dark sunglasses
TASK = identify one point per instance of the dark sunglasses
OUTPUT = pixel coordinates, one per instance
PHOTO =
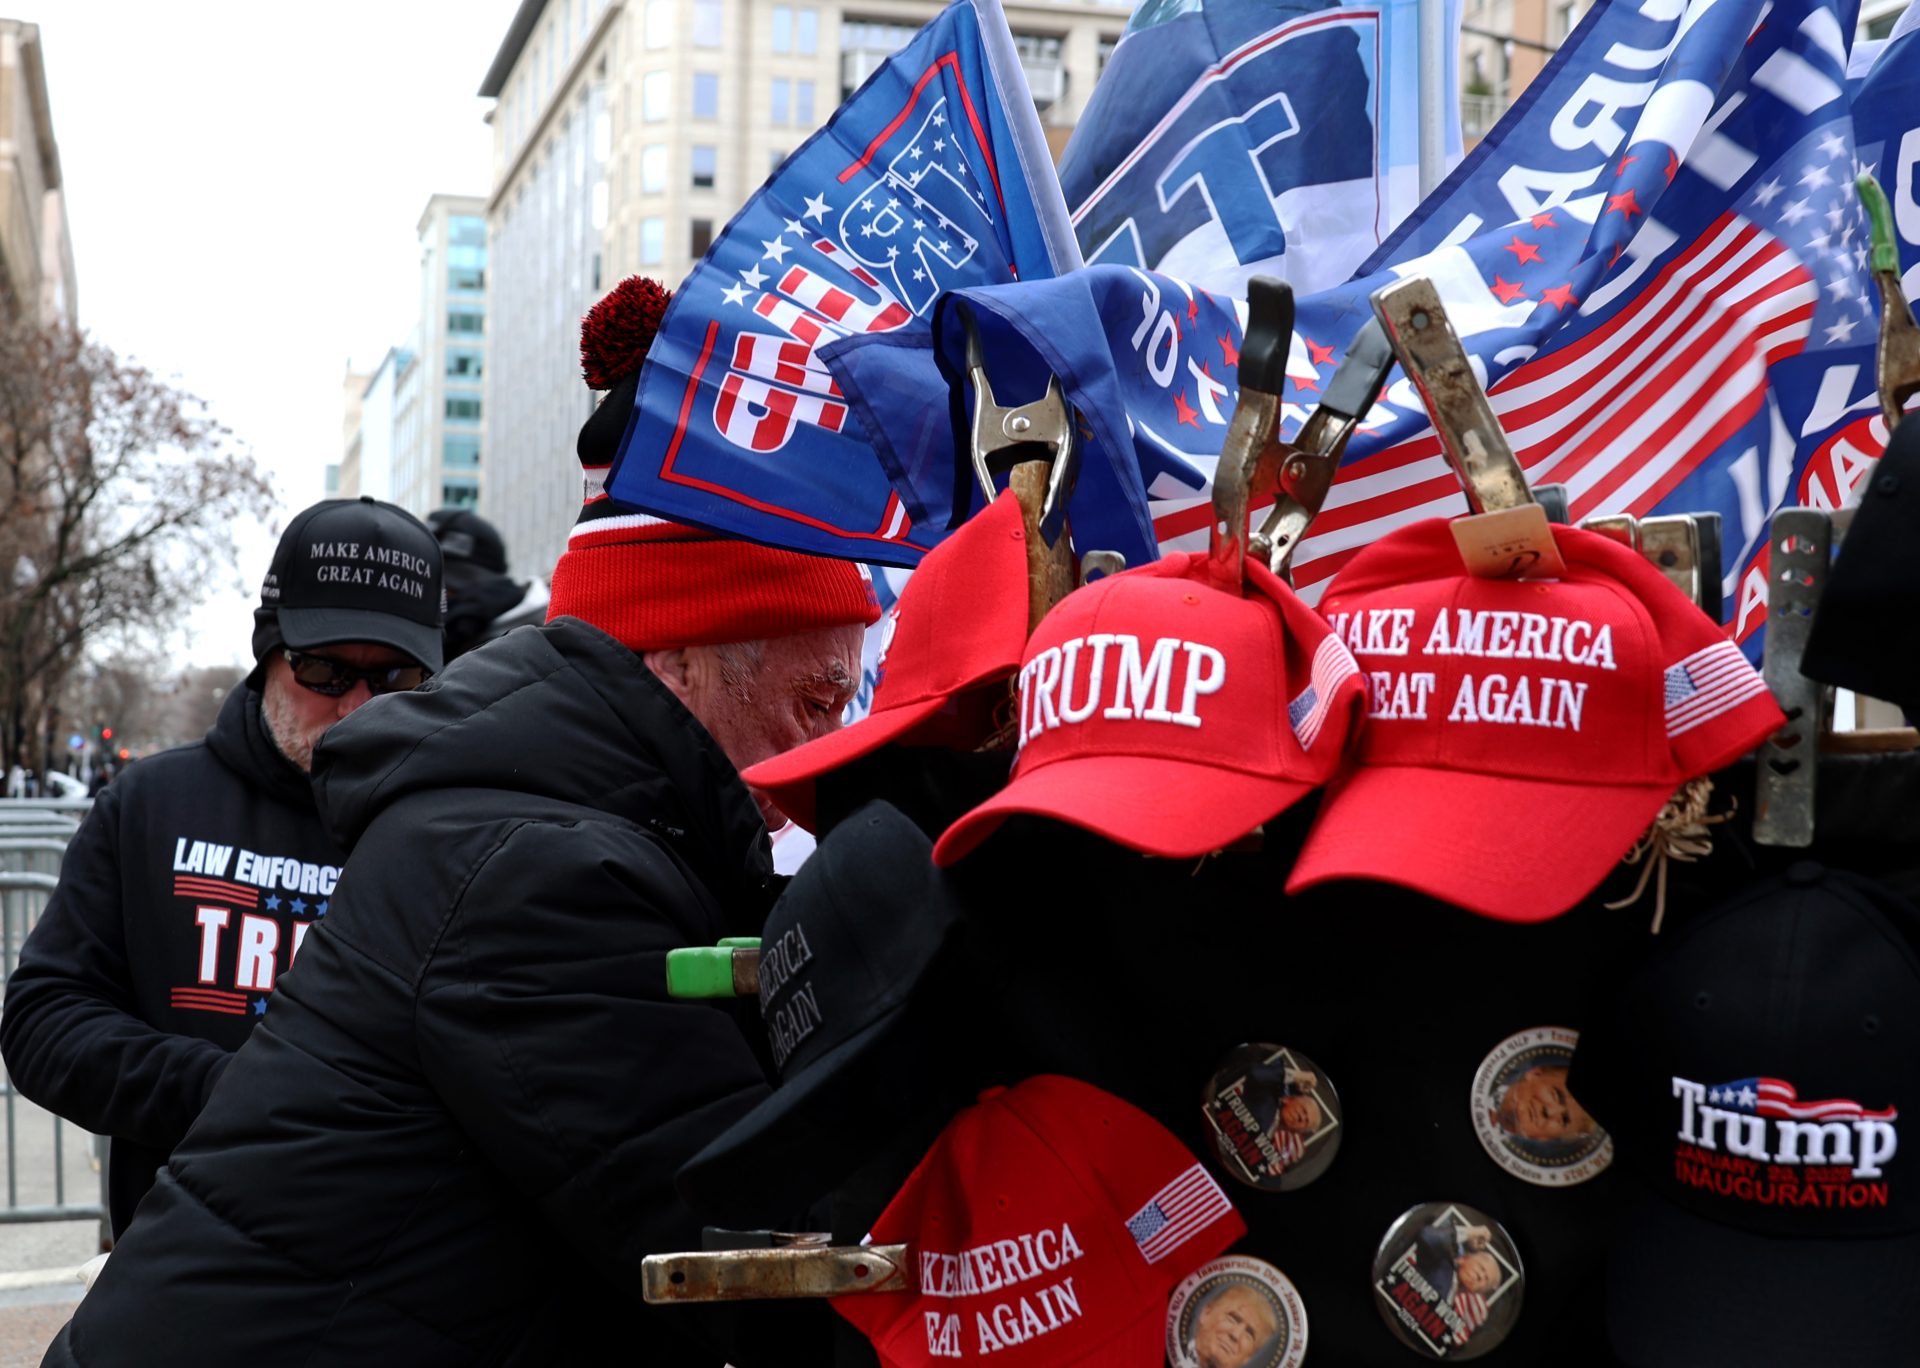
(334, 678)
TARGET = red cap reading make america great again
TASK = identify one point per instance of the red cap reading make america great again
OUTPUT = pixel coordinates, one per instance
(1521, 734)
(1048, 1225)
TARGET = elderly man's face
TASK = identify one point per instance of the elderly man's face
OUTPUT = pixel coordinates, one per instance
(1231, 1328)
(1300, 1114)
(1478, 1272)
(795, 692)
(1537, 1106)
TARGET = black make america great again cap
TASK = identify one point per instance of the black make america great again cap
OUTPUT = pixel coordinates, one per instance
(354, 570)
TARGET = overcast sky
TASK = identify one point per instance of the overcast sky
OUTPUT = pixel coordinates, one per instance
(243, 179)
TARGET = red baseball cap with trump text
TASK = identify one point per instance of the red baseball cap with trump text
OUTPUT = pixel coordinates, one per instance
(1172, 716)
(960, 624)
(1047, 1225)
(1521, 734)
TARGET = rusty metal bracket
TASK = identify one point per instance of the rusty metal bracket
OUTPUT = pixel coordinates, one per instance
(1897, 358)
(1005, 438)
(775, 1274)
(1250, 456)
(1312, 460)
(1789, 759)
(1509, 535)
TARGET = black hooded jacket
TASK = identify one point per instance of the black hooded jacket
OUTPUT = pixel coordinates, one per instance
(183, 897)
(453, 1139)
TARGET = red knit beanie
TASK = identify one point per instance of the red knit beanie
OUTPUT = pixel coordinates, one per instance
(653, 584)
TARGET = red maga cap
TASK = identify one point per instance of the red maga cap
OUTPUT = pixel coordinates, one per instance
(1047, 1225)
(961, 622)
(1521, 734)
(1170, 715)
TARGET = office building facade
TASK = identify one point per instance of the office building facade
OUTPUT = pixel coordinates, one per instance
(37, 278)
(440, 406)
(626, 134)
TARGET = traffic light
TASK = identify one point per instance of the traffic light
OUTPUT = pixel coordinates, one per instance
(106, 733)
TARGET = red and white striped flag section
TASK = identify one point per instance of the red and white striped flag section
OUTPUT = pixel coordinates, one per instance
(1657, 262)
(1177, 1213)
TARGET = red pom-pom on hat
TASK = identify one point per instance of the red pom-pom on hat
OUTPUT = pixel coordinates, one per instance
(616, 333)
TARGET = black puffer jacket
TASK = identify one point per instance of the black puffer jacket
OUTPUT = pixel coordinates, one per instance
(182, 898)
(453, 1140)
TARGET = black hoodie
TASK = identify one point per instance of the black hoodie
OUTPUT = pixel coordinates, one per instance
(183, 897)
(453, 1139)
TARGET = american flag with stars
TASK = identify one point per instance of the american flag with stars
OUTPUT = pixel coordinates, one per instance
(1177, 1213)
(918, 184)
(1778, 1098)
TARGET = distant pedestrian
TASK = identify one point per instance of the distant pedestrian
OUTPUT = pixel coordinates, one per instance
(483, 601)
(192, 882)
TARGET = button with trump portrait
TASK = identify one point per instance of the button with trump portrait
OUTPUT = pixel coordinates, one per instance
(1236, 1312)
(1273, 1116)
(1527, 1120)
(1448, 1281)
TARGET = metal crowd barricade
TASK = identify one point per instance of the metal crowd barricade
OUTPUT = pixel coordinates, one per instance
(33, 842)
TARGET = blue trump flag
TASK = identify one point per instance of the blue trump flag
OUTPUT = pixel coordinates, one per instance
(933, 176)
(1656, 262)
(1229, 138)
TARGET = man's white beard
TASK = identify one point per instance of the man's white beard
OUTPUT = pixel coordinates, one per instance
(283, 725)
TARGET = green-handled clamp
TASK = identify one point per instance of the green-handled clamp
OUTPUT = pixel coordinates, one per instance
(729, 969)
(1897, 363)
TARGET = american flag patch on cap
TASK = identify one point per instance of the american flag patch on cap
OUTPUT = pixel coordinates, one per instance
(1177, 1213)
(1709, 683)
(1333, 663)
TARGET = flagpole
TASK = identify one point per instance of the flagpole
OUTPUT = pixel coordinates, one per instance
(1030, 142)
(1433, 94)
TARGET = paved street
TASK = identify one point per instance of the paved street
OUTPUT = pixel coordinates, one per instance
(38, 1260)
(29, 1316)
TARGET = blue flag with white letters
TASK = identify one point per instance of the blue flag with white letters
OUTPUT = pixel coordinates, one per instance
(1229, 138)
(1656, 261)
(934, 175)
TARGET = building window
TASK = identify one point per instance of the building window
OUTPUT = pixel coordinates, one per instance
(656, 90)
(782, 101)
(653, 170)
(699, 237)
(1107, 45)
(460, 450)
(706, 95)
(706, 23)
(464, 408)
(806, 31)
(775, 160)
(458, 493)
(1037, 47)
(653, 241)
(465, 362)
(468, 322)
(466, 279)
(875, 37)
(706, 160)
(658, 25)
(803, 103)
(463, 230)
(783, 28)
